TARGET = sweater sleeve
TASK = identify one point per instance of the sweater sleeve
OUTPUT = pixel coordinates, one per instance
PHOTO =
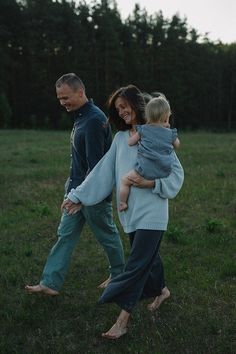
(99, 182)
(169, 187)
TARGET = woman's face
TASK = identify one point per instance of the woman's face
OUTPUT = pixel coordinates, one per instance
(125, 111)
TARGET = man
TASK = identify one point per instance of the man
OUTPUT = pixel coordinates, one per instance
(90, 140)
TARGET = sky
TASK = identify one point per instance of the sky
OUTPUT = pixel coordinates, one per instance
(215, 17)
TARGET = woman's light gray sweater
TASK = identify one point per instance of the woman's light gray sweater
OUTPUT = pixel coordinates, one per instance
(148, 208)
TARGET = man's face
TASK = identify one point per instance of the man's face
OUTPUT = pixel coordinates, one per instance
(69, 98)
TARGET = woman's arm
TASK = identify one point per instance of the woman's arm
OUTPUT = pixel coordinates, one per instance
(170, 186)
(167, 187)
(99, 182)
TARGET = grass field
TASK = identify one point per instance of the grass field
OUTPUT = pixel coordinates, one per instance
(198, 250)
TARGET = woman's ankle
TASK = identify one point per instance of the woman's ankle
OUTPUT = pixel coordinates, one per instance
(123, 318)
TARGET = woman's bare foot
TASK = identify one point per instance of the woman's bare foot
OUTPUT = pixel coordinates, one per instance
(105, 283)
(159, 299)
(116, 331)
(119, 328)
(41, 289)
(123, 206)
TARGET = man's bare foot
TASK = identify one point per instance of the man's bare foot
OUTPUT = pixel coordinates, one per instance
(159, 299)
(123, 206)
(105, 283)
(116, 331)
(41, 289)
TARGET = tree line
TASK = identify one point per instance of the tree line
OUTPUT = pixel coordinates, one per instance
(42, 39)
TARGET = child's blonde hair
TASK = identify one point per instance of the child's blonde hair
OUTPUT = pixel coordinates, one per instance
(157, 110)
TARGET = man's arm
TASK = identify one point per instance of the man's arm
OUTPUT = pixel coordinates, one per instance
(99, 183)
(94, 142)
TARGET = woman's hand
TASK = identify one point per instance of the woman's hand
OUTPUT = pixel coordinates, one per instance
(70, 207)
(141, 182)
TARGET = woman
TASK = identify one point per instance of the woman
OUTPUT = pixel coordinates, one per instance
(146, 218)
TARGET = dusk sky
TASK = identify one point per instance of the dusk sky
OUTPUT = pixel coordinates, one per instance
(217, 18)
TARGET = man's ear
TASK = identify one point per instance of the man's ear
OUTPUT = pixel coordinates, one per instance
(81, 92)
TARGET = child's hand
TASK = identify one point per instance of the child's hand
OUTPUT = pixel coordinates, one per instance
(134, 139)
(131, 142)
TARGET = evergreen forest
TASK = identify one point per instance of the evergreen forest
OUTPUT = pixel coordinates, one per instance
(40, 40)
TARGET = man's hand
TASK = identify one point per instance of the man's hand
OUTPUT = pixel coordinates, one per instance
(70, 207)
(141, 182)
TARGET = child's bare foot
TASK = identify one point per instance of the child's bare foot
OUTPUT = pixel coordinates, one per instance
(123, 206)
(159, 299)
(41, 289)
(116, 331)
(105, 283)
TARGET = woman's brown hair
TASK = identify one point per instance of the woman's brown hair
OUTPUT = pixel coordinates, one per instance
(134, 98)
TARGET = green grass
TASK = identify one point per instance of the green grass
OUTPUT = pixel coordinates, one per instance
(198, 250)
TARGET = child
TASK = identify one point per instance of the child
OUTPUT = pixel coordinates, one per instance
(156, 142)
